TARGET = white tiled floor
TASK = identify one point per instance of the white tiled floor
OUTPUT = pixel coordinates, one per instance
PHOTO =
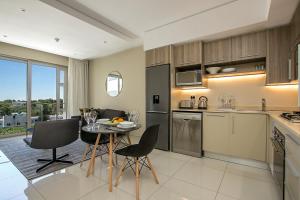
(181, 178)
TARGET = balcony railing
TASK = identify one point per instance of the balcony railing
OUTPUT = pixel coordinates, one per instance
(13, 115)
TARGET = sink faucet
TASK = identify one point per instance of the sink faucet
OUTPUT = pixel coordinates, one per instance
(263, 104)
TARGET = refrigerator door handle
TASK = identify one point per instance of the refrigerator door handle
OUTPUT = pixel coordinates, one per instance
(159, 112)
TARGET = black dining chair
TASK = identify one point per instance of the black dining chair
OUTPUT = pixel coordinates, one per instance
(52, 135)
(137, 155)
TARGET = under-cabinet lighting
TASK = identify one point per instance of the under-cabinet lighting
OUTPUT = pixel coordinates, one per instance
(241, 77)
(283, 86)
(193, 90)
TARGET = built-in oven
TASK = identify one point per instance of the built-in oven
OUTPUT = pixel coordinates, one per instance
(278, 142)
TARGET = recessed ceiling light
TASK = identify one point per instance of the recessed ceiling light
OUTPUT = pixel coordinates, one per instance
(56, 39)
(23, 9)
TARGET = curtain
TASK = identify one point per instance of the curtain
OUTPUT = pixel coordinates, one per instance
(77, 86)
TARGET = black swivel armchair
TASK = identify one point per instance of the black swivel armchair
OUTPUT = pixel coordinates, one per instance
(51, 135)
(137, 155)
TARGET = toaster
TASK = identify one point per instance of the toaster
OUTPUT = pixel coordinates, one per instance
(188, 104)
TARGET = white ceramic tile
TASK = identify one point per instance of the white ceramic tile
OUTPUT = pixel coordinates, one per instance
(8, 170)
(176, 189)
(251, 172)
(166, 164)
(3, 158)
(245, 188)
(147, 183)
(13, 186)
(225, 197)
(171, 155)
(209, 162)
(101, 168)
(103, 194)
(70, 183)
(29, 194)
(207, 173)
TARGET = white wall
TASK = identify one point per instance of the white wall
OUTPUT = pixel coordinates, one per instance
(131, 65)
(31, 54)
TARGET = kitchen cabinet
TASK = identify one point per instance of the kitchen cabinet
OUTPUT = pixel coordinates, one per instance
(295, 27)
(249, 46)
(248, 136)
(218, 51)
(188, 54)
(216, 132)
(240, 135)
(278, 56)
(158, 56)
(294, 41)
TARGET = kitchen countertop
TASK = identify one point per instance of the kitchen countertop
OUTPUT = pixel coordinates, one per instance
(219, 111)
(293, 128)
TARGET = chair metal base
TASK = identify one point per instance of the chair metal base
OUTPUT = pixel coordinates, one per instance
(53, 160)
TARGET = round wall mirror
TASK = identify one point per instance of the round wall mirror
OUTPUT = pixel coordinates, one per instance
(114, 83)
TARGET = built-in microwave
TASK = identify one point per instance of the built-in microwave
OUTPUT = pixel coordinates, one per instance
(189, 78)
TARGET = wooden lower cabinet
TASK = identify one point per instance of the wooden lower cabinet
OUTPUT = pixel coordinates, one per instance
(235, 134)
(216, 132)
(248, 136)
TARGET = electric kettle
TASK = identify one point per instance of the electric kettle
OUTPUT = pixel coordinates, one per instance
(202, 103)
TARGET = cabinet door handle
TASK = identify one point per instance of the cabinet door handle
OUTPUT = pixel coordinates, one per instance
(232, 125)
(215, 115)
(290, 70)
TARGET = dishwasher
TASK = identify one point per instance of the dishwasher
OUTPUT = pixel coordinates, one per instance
(187, 133)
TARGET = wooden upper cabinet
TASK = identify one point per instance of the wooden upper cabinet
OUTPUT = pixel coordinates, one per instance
(217, 51)
(249, 46)
(188, 54)
(295, 27)
(278, 49)
(150, 58)
(158, 56)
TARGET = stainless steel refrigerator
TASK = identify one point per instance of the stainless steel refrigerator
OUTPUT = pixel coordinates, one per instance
(158, 102)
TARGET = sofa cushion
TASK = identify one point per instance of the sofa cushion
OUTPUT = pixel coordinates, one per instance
(110, 113)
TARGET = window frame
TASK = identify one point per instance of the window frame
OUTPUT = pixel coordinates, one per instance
(59, 68)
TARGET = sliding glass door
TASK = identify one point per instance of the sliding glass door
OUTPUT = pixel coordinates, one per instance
(47, 88)
(30, 92)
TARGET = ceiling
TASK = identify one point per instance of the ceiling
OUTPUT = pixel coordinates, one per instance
(94, 28)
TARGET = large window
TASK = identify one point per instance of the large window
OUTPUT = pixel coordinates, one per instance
(31, 92)
(13, 103)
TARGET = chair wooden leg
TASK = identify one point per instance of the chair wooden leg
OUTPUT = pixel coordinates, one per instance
(110, 162)
(87, 147)
(121, 172)
(93, 156)
(152, 170)
(116, 159)
(137, 178)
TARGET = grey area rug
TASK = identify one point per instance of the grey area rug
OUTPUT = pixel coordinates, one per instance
(24, 157)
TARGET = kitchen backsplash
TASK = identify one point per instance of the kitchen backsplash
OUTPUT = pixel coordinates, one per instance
(248, 92)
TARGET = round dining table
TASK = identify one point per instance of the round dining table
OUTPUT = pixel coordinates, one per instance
(112, 131)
